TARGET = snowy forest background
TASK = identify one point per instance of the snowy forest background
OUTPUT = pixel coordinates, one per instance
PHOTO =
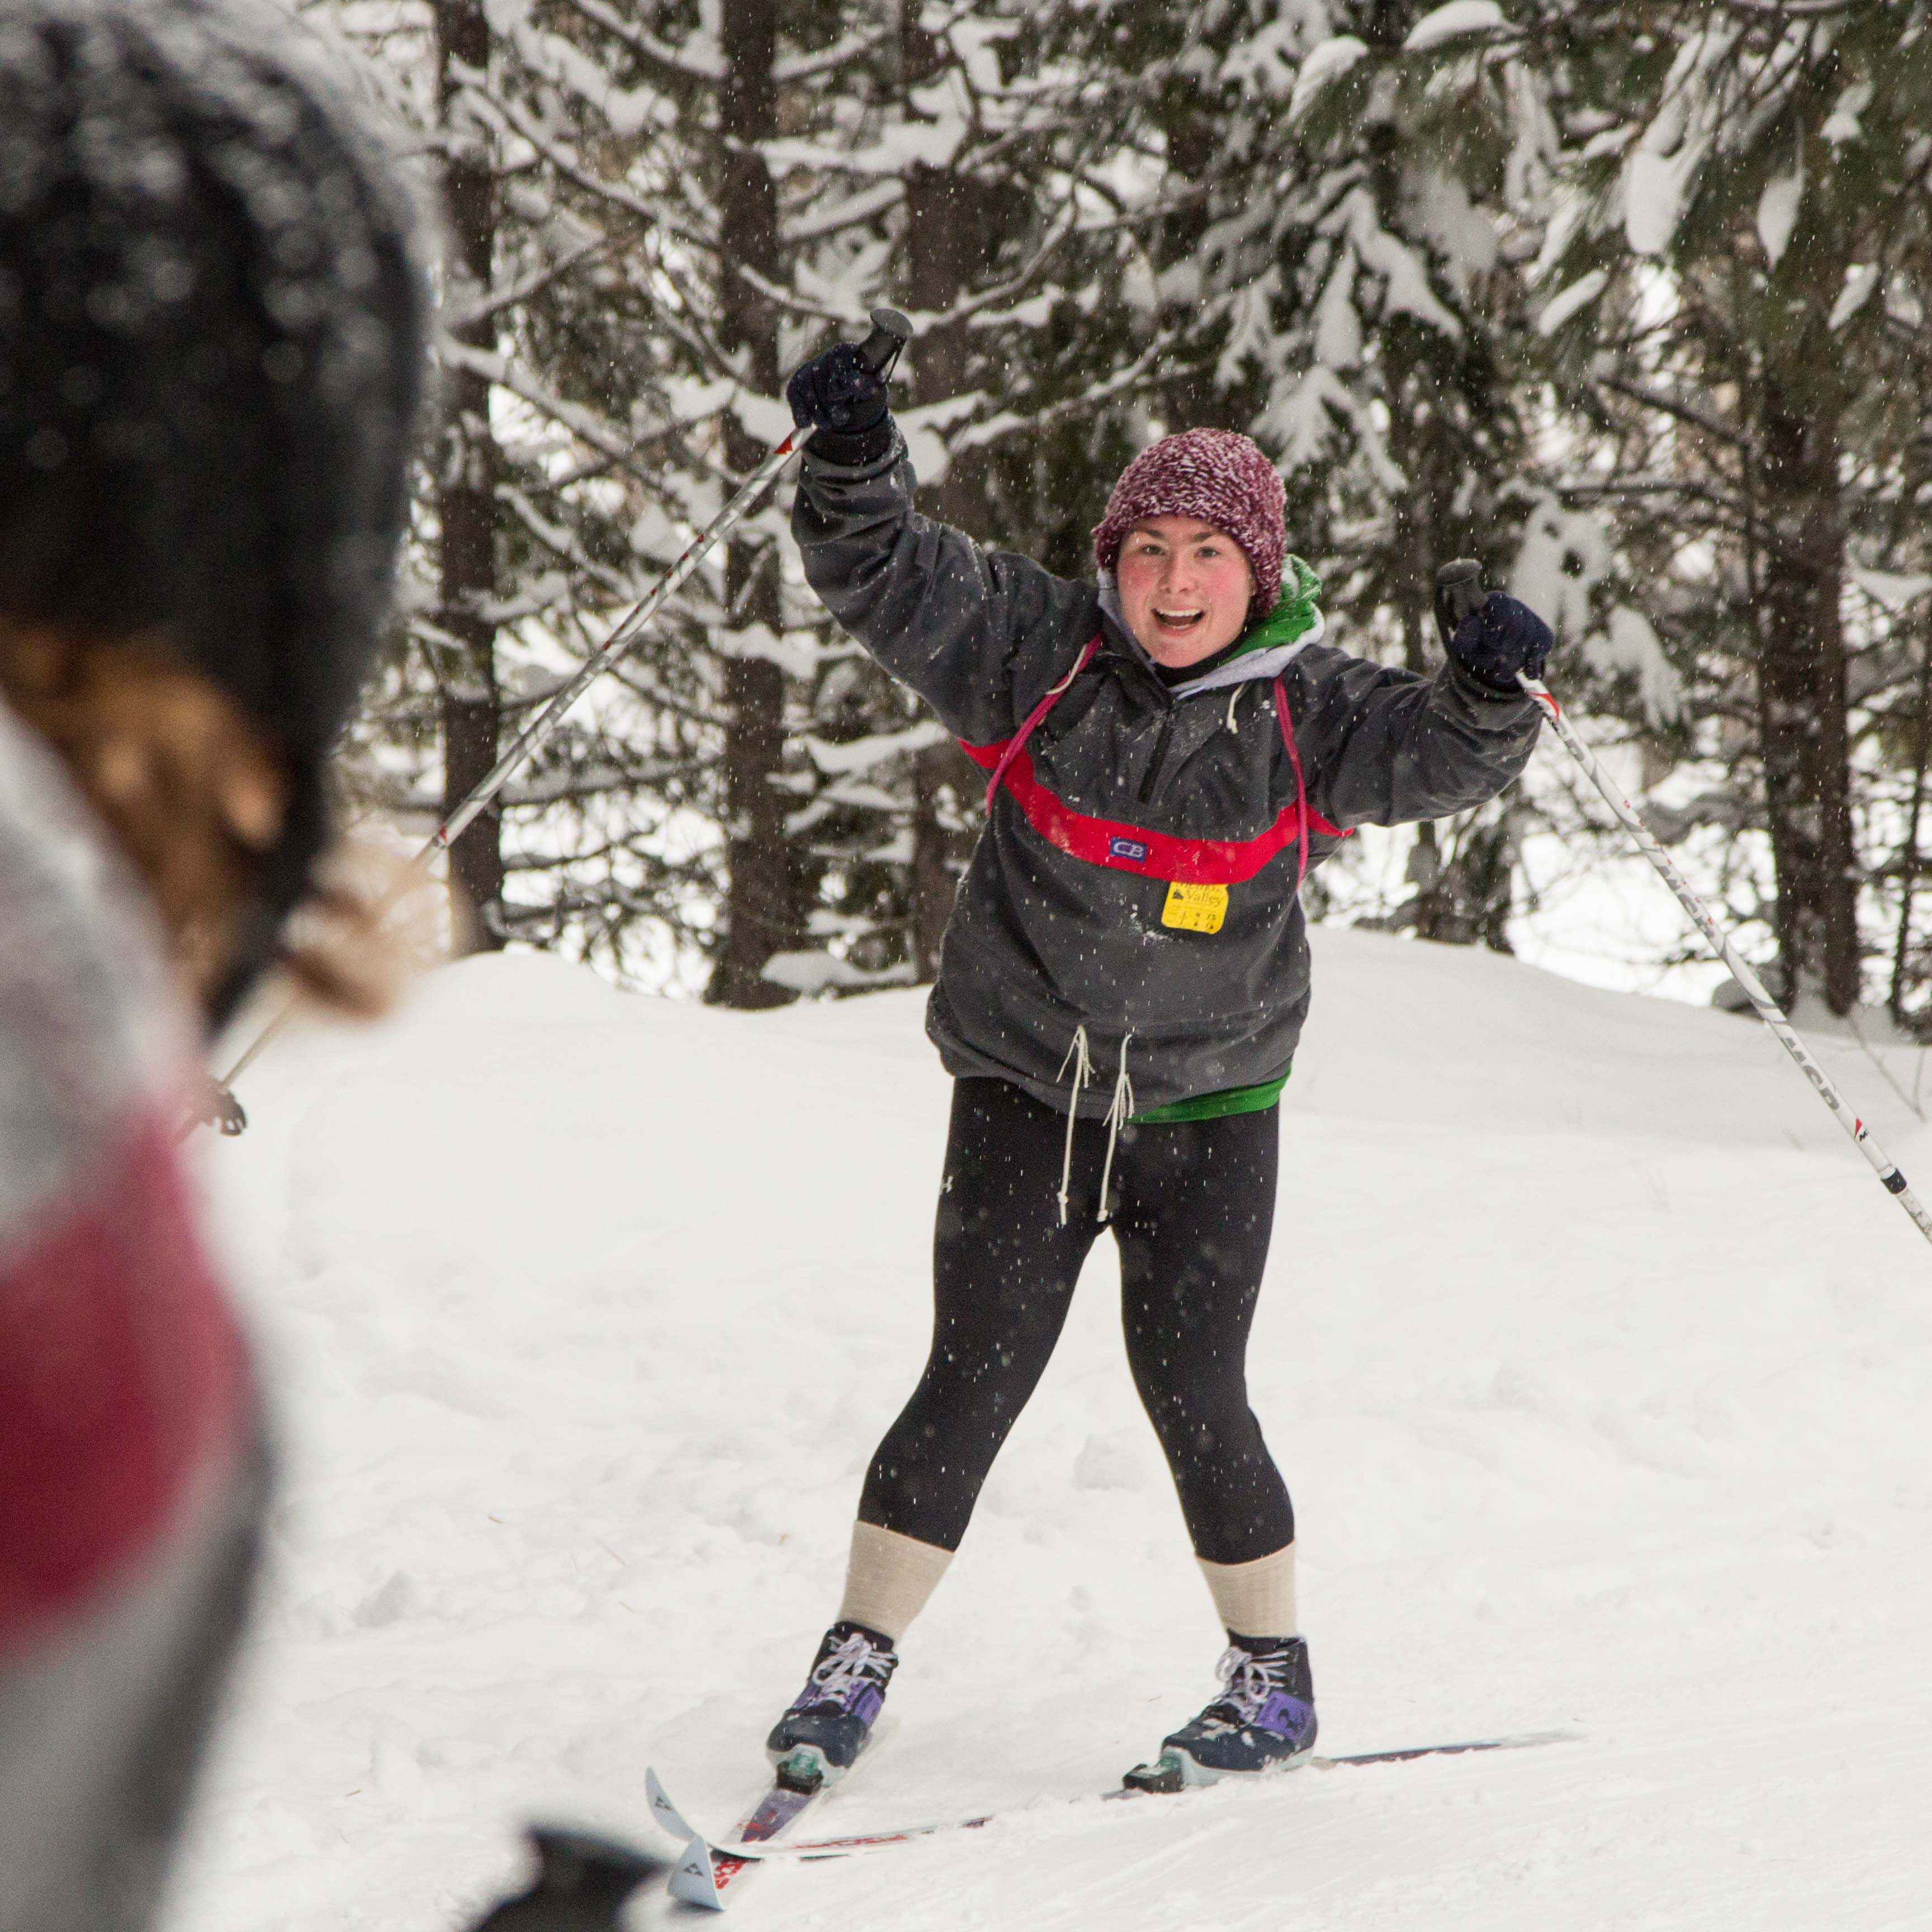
(1626, 299)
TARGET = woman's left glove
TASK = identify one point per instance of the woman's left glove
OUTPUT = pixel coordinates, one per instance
(845, 402)
(1503, 637)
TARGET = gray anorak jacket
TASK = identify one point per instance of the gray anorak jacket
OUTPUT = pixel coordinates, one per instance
(1069, 920)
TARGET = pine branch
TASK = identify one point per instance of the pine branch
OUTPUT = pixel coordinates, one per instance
(579, 422)
(457, 320)
(671, 63)
(1671, 406)
(1138, 375)
(1790, 10)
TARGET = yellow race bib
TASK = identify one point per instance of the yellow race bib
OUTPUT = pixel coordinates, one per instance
(1194, 908)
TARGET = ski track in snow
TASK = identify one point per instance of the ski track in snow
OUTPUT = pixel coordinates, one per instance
(1596, 1360)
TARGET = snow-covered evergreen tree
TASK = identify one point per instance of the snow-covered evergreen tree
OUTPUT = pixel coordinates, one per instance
(556, 489)
(1371, 233)
(1736, 273)
(654, 213)
(1341, 266)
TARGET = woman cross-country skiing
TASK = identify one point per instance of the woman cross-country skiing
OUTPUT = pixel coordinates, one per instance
(1123, 983)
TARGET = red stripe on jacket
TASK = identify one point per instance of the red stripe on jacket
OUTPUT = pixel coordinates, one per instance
(121, 1373)
(1134, 848)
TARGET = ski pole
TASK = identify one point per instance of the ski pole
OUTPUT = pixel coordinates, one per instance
(1459, 593)
(890, 333)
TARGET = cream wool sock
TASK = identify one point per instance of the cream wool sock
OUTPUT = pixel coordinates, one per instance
(1256, 1599)
(888, 1578)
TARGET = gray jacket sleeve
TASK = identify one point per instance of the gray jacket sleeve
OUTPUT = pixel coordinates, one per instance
(1385, 746)
(979, 635)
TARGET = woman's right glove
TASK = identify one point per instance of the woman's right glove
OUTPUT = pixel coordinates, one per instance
(845, 403)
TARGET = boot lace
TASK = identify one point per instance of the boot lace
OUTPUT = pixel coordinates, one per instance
(1250, 1682)
(838, 1676)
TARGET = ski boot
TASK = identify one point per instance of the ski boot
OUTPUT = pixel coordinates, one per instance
(1263, 1721)
(830, 1722)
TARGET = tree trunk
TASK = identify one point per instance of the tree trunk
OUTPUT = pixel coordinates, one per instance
(1802, 700)
(1196, 148)
(466, 505)
(1908, 865)
(761, 914)
(949, 245)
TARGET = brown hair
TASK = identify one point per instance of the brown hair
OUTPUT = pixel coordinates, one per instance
(190, 788)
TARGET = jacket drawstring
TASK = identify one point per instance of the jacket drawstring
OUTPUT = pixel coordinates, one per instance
(1119, 1109)
(1121, 1106)
(1083, 1072)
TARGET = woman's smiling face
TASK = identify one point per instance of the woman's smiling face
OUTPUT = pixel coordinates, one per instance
(1185, 588)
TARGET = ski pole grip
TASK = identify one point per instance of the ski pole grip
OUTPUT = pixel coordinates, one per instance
(891, 332)
(1460, 594)
(1460, 585)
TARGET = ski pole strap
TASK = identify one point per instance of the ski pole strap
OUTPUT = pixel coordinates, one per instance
(1287, 725)
(1016, 744)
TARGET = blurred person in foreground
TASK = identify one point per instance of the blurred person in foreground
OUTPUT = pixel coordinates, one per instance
(211, 328)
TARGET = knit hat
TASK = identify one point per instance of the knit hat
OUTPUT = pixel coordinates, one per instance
(212, 319)
(1217, 475)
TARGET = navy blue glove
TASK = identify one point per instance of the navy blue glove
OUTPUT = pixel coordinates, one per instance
(845, 402)
(1503, 637)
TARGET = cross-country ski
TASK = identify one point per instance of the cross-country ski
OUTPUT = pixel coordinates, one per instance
(768, 1833)
(711, 1873)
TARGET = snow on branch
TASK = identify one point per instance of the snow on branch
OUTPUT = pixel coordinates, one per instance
(1324, 66)
(1890, 590)
(934, 144)
(814, 972)
(1456, 22)
(1566, 556)
(855, 208)
(796, 653)
(795, 67)
(1405, 281)
(1143, 370)
(699, 58)
(524, 289)
(861, 755)
(628, 111)
(560, 157)
(986, 304)
(562, 542)
(1580, 295)
(506, 374)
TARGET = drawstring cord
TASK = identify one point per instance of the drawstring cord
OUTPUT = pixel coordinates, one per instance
(1117, 1112)
(1119, 1109)
(1077, 1056)
(1079, 666)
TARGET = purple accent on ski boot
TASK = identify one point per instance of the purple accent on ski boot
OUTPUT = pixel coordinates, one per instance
(1289, 1716)
(829, 1723)
(1263, 1720)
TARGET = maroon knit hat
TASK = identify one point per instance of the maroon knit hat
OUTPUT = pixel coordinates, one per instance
(1217, 475)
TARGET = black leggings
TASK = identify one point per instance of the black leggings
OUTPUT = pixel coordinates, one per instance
(1194, 1202)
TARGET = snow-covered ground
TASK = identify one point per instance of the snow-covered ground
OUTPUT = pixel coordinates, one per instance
(1597, 1361)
